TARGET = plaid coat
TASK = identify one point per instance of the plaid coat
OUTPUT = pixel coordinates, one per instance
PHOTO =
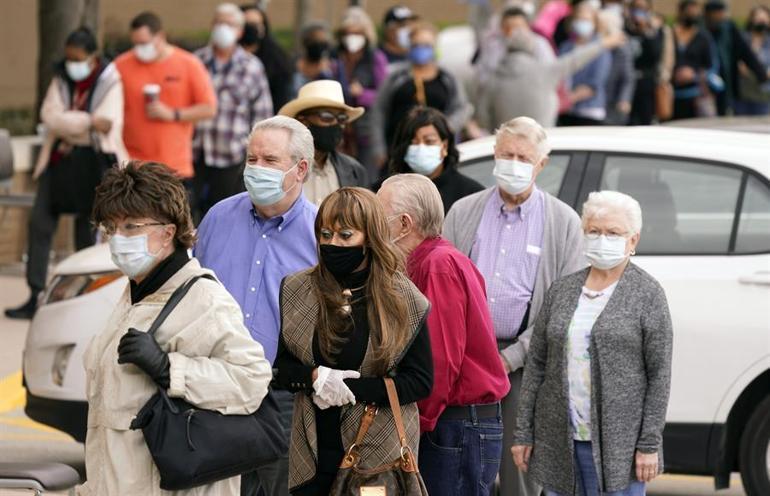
(299, 311)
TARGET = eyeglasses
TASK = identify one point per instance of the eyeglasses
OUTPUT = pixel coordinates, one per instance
(594, 235)
(129, 228)
(328, 117)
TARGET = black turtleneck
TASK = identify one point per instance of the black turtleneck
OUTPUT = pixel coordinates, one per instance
(453, 185)
(159, 275)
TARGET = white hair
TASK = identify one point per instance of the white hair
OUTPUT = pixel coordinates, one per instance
(231, 10)
(416, 195)
(603, 203)
(300, 140)
(356, 17)
(529, 129)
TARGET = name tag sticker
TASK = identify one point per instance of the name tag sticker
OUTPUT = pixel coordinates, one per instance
(535, 250)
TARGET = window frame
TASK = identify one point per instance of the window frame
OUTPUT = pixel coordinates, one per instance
(595, 171)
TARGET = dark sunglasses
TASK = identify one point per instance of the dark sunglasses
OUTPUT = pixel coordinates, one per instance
(328, 117)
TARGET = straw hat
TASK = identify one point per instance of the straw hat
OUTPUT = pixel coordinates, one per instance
(323, 93)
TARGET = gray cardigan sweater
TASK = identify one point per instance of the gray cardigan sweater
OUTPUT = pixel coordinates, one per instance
(631, 344)
(561, 254)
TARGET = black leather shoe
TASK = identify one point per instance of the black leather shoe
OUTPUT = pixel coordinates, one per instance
(26, 311)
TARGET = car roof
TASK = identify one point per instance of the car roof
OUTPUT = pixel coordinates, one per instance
(748, 149)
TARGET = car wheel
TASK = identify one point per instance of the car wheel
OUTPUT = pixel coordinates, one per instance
(755, 451)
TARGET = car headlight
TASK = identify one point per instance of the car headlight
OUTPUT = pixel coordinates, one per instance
(69, 286)
(60, 361)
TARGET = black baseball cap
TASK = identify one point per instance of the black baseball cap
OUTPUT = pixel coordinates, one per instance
(399, 13)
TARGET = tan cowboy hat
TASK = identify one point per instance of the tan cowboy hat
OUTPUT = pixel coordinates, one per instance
(323, 93)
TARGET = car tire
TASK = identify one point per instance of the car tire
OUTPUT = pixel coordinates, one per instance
(755, 451)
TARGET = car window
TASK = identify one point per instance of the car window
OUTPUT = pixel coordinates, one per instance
(754, 222)
(549, 180)
(687, 206)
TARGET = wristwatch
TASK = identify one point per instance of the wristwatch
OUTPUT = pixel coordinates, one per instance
(177, 117)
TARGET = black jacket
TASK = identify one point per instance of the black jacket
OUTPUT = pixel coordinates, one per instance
(349, 171)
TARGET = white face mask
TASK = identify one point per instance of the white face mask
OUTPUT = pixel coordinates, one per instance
(132, 255)
(606, 253)
(146, 52)
(513, 176)
(77, 71)
(354, 43)
(423, 159)
(402, 37)
(583, 28)
(223, 36)
(265, 184)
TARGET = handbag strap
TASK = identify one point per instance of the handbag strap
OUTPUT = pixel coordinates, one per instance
(174, 300)
(395, 407)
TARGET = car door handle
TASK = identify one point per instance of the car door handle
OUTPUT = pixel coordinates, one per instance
(761, 278)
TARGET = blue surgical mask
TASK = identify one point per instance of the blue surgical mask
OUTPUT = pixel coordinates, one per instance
(77, 71)
(132, 255)
(513, 176)
(583, 28)
(423, 159)
(265, 184)
(422, 54)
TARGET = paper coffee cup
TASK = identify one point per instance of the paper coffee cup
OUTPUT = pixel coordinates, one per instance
(151, 92)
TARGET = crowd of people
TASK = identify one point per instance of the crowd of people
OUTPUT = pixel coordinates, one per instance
(323, 195)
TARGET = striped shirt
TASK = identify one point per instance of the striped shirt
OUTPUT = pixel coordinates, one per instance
(243, 98)
(507, 253)
(590, 305)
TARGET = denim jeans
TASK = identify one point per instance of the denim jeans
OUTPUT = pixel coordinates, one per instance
(588, 483)
(462, 457)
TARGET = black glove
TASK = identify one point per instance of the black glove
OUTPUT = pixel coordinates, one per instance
(142, 350)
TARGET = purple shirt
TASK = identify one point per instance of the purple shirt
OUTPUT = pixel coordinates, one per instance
(251, 256)
(507, 252)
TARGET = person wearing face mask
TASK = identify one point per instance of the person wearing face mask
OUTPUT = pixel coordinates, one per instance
(202, 353)
(609, 327)
(524, 84)
(315, 61)
(424, 144)
(521, 239)
(468, 379)
(167, 90)
(421, 83)
(219, 144)
(653, 54)
(258, 39)
(755, 97)
(321, 107)
(83, 117)
(693, 60)
(587, 86)
(621, 79)
(347, 323)
(396, 26)
(361, 68)
(254, 239)
(734, 54)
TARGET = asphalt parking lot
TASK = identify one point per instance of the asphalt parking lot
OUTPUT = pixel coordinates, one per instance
(22, 439)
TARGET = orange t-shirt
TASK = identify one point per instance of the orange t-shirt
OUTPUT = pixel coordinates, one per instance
(184, 82)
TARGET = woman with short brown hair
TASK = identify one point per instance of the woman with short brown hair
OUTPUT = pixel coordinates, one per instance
(202, 352)
(347, 323)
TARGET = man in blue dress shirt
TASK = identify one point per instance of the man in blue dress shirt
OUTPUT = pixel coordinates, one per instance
(254, 239)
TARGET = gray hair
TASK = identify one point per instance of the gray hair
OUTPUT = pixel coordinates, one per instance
(232, 10)
(300, 140)
(416, 195)
(603, 203)
(529, 129)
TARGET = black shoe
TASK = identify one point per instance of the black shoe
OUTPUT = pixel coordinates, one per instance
(26, 311)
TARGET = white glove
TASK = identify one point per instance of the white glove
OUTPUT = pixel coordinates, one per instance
(330, 387)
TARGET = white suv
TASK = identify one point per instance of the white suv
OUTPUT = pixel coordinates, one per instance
(705, 197)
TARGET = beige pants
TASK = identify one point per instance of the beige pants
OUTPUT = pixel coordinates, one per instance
(513, 482)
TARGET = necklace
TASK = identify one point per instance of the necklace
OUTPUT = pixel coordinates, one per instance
(348, 294)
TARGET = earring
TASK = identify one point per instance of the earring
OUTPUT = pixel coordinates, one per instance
(633, 252)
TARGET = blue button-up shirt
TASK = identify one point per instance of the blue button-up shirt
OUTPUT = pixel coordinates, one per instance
(252, 255)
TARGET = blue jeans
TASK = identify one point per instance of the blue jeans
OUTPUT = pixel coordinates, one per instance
(587, 482)
(462, 457)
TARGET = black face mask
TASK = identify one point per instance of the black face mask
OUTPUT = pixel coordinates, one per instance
(316, 50)
(326, 138)
(341, 261)
(760, 28)
(689, 21)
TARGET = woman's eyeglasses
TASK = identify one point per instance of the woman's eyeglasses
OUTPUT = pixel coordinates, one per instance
(128, 229)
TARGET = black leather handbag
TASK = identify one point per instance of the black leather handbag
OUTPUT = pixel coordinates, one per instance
(191, 446)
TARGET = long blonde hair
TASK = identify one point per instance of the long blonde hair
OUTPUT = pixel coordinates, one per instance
(359, 209)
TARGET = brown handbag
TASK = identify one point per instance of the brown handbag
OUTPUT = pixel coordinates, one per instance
(400, 477)
(664, 101)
